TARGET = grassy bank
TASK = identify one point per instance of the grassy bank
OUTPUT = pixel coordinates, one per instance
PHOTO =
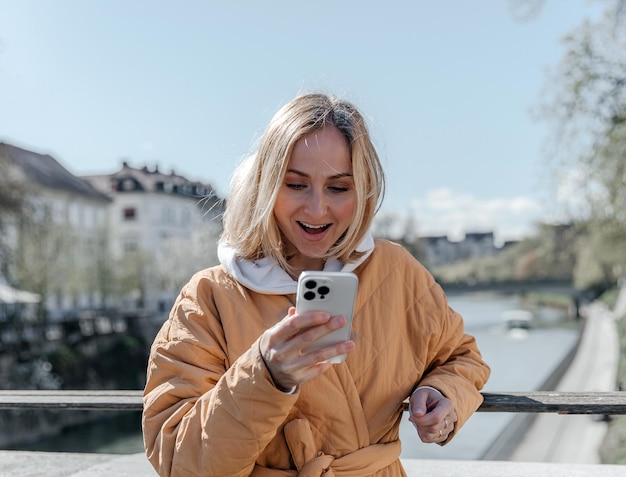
(613, 449)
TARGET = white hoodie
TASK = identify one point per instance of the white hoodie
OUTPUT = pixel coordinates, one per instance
(266, 276)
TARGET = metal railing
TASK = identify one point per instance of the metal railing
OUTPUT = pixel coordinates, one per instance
(602, 403)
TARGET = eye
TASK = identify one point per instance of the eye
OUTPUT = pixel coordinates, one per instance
(294, 186)
(339, 189)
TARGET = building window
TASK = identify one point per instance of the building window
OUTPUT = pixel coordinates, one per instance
(129, 184)
(130, 213)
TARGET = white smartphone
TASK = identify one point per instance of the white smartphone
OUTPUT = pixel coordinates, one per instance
(333, 292)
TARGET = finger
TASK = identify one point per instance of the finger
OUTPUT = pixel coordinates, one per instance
(296, 342)
(432, 419)
(447, 428)
(430, 435)
(431, 425)
(314, 333)
(299, 369)
(294, 324)
(419, 404)
(286, 358)
(289, 342)
(431, 429)
(322, 355)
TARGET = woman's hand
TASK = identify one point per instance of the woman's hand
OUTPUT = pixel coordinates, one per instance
(282, 347)
(432, 414)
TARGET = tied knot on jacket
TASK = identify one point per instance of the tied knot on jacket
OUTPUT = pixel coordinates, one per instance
(313, 463)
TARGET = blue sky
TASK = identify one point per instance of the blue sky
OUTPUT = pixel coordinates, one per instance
(447, 86)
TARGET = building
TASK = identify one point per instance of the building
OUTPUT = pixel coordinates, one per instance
(477, 244)
(149, 212)
(121, 241)
(64, 221)
(149, 207)
(439, 250)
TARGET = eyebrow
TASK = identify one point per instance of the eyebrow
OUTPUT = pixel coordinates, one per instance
(341, 175)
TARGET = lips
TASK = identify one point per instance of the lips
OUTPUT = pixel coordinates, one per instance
(313, 229)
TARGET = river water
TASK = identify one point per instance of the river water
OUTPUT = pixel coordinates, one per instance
(520, 361)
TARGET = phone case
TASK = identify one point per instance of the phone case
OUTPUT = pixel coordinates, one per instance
(333, 292)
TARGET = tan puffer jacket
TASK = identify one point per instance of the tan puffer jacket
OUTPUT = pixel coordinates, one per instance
(211, 409)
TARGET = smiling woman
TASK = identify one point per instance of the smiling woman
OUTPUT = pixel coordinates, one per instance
(317, 199)
(242, 383)
(315, 131)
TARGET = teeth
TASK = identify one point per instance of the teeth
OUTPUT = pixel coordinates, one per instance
(308, 226)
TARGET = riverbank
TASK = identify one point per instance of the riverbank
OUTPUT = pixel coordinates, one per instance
(613, 450)
(577, 439)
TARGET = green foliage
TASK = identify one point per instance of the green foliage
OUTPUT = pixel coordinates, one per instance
(43, 253)
(586, 104)
(601, 254)
(485, 269)
(123, 363)
(549, 254)
(13, 193)
(69, 365)
(12, 189)
(613, 449)
(588, 108)
(120, 363)
(609, 298)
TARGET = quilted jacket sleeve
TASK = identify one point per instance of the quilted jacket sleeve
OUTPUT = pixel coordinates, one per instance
(455, 366)
(202, 416)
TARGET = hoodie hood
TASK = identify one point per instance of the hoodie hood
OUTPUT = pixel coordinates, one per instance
(266, 276)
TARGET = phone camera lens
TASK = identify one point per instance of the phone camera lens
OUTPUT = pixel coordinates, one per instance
(310, 284)
(323, 291)
(309, 295)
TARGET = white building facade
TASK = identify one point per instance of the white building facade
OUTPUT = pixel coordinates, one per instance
(152, 217)
(53, 243)
(127, 240)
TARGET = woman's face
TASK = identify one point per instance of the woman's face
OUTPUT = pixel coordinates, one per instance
(317, 199)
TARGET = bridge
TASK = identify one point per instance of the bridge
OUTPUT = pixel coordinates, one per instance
(564, 287)
(592, 368)
(53, 464)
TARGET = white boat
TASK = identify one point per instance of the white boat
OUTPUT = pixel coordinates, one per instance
(517, 319)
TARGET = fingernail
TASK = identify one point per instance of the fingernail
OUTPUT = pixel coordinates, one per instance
(339, 320)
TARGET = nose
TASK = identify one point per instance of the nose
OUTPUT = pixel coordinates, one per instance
(316, 205)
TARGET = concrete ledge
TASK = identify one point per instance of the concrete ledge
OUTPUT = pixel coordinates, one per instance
(482, 468)
(61, 464)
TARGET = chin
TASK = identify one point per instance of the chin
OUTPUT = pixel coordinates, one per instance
(315, 254)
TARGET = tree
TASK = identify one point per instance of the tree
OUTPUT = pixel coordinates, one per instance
(401, 228)
(525, 10)
(132, 272)
(12, 199)
(181, 257)
(586, 103)
(40, 260)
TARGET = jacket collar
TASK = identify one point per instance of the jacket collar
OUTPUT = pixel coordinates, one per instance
(266, 276)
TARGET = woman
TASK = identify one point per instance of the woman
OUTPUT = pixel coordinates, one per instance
(230, 389)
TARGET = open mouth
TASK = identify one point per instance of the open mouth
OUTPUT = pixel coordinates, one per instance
(313, 229)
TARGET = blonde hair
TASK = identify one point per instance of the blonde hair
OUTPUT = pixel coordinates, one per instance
(249, 223)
